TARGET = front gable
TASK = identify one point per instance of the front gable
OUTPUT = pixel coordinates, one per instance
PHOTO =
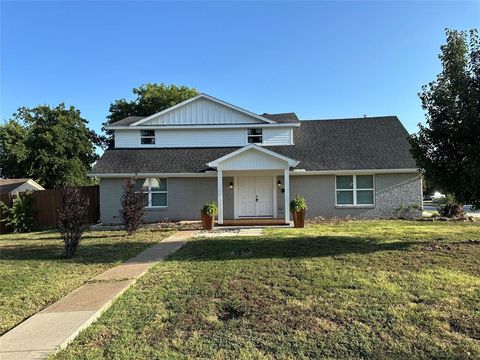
(253, 157)
(203, 110)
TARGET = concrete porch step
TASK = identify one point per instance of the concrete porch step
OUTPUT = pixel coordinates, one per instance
(253, 221)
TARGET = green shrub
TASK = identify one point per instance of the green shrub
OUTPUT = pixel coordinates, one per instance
(298, 204)
(451, 208)
(70, 219)
(210, 208)
(20, 217)
(132, 202)
(407, 211)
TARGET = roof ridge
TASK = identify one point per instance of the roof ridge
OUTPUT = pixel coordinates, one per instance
(354, 118)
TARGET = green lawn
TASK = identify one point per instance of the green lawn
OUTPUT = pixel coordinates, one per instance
(379, 289)
(34, 272)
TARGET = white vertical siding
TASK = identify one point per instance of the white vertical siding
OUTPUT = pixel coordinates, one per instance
(252, 160)
(165, 138)
(201, 112)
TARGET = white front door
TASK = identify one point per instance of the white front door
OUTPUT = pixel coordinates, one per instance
(254, 196)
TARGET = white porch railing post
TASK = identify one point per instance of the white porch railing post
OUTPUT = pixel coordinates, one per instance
(220, 195)
(286, 183)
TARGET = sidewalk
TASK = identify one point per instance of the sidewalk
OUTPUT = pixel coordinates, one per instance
(54, 327)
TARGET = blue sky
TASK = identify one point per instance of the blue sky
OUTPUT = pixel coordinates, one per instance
(318, 59)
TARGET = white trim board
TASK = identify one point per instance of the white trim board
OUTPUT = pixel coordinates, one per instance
(208, 97)
(203, 126)
(292, 173)
(302, 172)
(142, 175)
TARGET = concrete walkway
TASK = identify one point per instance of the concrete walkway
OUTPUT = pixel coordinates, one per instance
(231, 231)
(54, 327)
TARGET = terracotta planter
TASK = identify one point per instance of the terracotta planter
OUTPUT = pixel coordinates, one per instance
(207, 221)
(299, 218)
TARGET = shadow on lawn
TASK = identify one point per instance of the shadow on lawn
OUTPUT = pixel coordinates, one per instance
(212, 249)
(55, 235)
(86, 253)
(295, 247)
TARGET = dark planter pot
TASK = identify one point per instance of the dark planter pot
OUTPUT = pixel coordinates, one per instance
(299, 218)
(207, 221)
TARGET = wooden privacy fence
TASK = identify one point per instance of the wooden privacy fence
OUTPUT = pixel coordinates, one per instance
(48, 202)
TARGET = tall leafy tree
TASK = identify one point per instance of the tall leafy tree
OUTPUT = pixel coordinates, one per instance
(150, 99)
(448, 147)
(52, 145)
(13, 150)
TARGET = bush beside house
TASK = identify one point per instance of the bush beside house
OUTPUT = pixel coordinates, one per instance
(70, 219)
(20, 216)
(132, 203)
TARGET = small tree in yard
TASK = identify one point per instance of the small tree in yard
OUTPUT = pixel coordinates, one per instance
(70, 219)
(132, 207)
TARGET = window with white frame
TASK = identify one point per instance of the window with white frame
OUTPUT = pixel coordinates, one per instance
(147, 137)
(353, 190)
(254, 136)
(155, 190)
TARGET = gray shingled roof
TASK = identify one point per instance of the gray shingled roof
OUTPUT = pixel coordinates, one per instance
(345, 144)
(282, 118)
(128, 121)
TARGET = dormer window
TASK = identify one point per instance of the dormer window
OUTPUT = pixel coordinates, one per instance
(147, 137)
(254, 136)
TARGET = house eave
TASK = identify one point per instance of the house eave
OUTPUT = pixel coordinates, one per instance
(295, 172)
(213, 126)
(151, 174)
(301, 172)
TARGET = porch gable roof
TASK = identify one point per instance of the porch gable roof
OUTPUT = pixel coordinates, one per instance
(261, 151)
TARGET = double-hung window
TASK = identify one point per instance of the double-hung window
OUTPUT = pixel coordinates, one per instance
(147, 137)
(155, 190)
(355, 190)
(254, 136)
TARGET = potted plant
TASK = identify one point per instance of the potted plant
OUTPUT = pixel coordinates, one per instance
(298, 206)
(208, 212)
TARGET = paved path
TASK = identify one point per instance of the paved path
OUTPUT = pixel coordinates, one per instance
(224, 232)
(54, 327)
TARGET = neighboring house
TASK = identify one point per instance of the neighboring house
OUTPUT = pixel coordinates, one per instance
(15, 186)
(252, 165)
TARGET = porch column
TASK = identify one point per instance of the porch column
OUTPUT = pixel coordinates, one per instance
(286, 183)
(220, 195)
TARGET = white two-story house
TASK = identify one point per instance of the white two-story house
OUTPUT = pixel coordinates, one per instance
(205, 149)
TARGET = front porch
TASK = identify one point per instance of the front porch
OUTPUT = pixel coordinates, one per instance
(260, 188)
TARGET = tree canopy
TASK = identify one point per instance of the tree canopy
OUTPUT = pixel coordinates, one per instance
(52, 145)
(150, 99)
(448, 147)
